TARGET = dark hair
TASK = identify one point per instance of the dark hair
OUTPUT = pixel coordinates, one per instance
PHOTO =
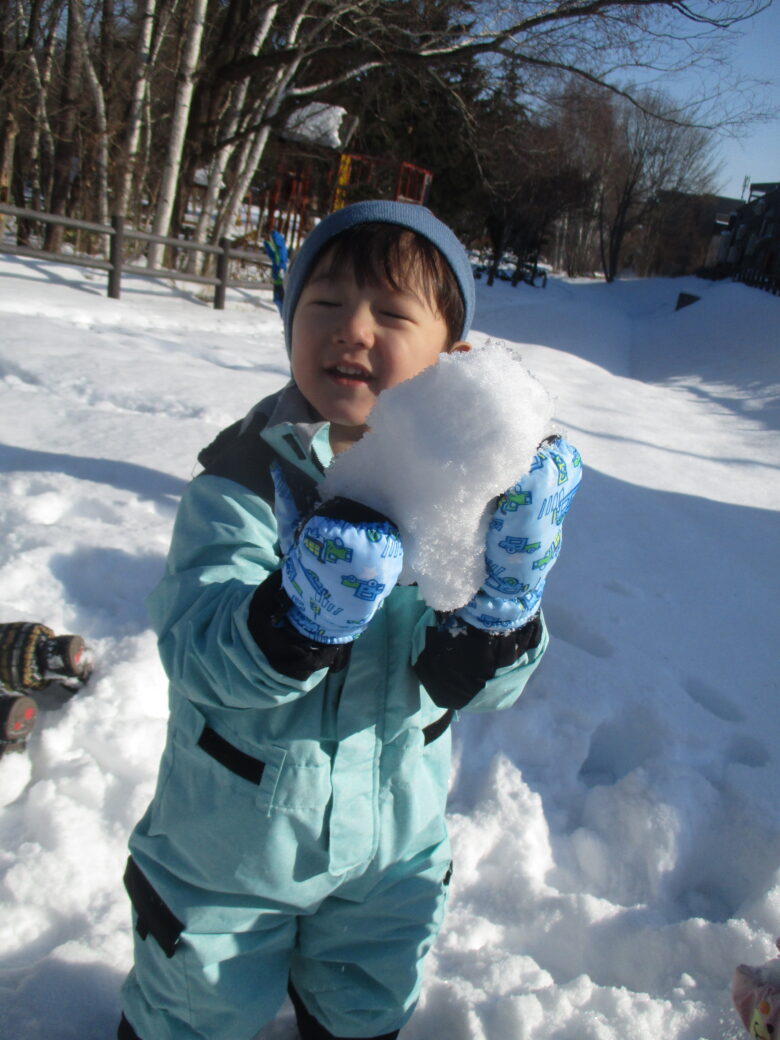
(380, 253)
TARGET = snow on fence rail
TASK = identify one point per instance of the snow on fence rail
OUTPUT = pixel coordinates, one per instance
(116, 266)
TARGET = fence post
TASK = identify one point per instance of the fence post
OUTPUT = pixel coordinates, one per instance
(115, 251)
(220, 289)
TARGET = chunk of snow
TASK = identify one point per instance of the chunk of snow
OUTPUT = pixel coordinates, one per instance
(316, 123)
(440, 448)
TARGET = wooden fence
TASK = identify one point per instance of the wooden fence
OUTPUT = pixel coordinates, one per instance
(759, 279)
(116, 266)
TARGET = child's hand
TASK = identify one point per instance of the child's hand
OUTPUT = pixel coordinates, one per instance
(524, 539)
(342, 565)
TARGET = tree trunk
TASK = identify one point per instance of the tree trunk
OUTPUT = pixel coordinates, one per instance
(253, 150)
(144, 203)
(623, 217)
(66, 159)
(42, 145)
(219, 163)
(181, 111)
(135, 117)
(106, 46)
(101, 122)
(7, 147)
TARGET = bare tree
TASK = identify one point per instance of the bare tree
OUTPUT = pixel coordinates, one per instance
(209, 87)
(262, 114)
(140, 87)
(66, 157)
(99, 102)
(645, 154)
(41, 138)
(179, 118)
(596, 40)
(228, 131)
(7, 146)
(330, 45)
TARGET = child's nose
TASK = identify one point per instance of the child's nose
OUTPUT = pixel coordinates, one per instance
(357, 327)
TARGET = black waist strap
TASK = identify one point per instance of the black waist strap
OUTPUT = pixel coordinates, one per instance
(230, 757)
(438, 727)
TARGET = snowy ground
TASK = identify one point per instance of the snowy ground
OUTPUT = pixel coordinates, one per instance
(617, 834)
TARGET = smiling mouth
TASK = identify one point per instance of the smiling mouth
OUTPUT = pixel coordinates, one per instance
(349, 374)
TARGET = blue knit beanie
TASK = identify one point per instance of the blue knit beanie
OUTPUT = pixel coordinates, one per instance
(406, 214)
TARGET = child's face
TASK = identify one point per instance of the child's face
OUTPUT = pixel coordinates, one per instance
(351, 342)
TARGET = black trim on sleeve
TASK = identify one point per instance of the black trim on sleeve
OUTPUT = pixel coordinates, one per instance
(351, 512)
(287, 651)
(453, 668)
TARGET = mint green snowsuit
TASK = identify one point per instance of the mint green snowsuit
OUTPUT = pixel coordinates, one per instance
(298, 826)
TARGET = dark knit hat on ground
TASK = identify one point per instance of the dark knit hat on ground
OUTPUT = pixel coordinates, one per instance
(405, 214)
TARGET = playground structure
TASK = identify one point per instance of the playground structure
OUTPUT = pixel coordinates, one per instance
(306, 188)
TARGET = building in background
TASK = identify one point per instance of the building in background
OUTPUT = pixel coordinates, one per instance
(682, 234)
(749, 250)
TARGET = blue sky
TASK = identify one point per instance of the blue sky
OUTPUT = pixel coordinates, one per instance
(754, 60)
(757, 155)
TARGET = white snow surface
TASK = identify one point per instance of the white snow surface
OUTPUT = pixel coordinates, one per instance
(440, 448)
(616, 834)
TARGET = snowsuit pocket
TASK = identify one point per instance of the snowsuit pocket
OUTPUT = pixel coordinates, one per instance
(231, 757)
(154, 917)
(205, 774)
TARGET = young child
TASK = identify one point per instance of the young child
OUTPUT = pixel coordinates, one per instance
(297, 839)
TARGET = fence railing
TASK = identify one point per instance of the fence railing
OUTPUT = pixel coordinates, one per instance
(759, 279)
(116, 265)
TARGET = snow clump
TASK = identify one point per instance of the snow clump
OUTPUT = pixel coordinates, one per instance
(441, 446)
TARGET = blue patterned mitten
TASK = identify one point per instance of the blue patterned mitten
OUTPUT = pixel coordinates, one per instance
(339, 569)
(524, 539)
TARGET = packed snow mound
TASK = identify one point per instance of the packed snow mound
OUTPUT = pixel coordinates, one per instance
(440, 448)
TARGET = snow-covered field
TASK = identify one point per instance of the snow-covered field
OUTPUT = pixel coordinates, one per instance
(616, 835)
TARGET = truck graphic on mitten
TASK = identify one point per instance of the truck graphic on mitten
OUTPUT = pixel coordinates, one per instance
(513, 545)
(328, 550)
(551, 553)
(511, 500)
(509, 586)
(367, 589)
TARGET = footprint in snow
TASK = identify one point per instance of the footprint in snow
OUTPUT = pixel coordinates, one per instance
(568, 626)
(712, 700)
(747, 751)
